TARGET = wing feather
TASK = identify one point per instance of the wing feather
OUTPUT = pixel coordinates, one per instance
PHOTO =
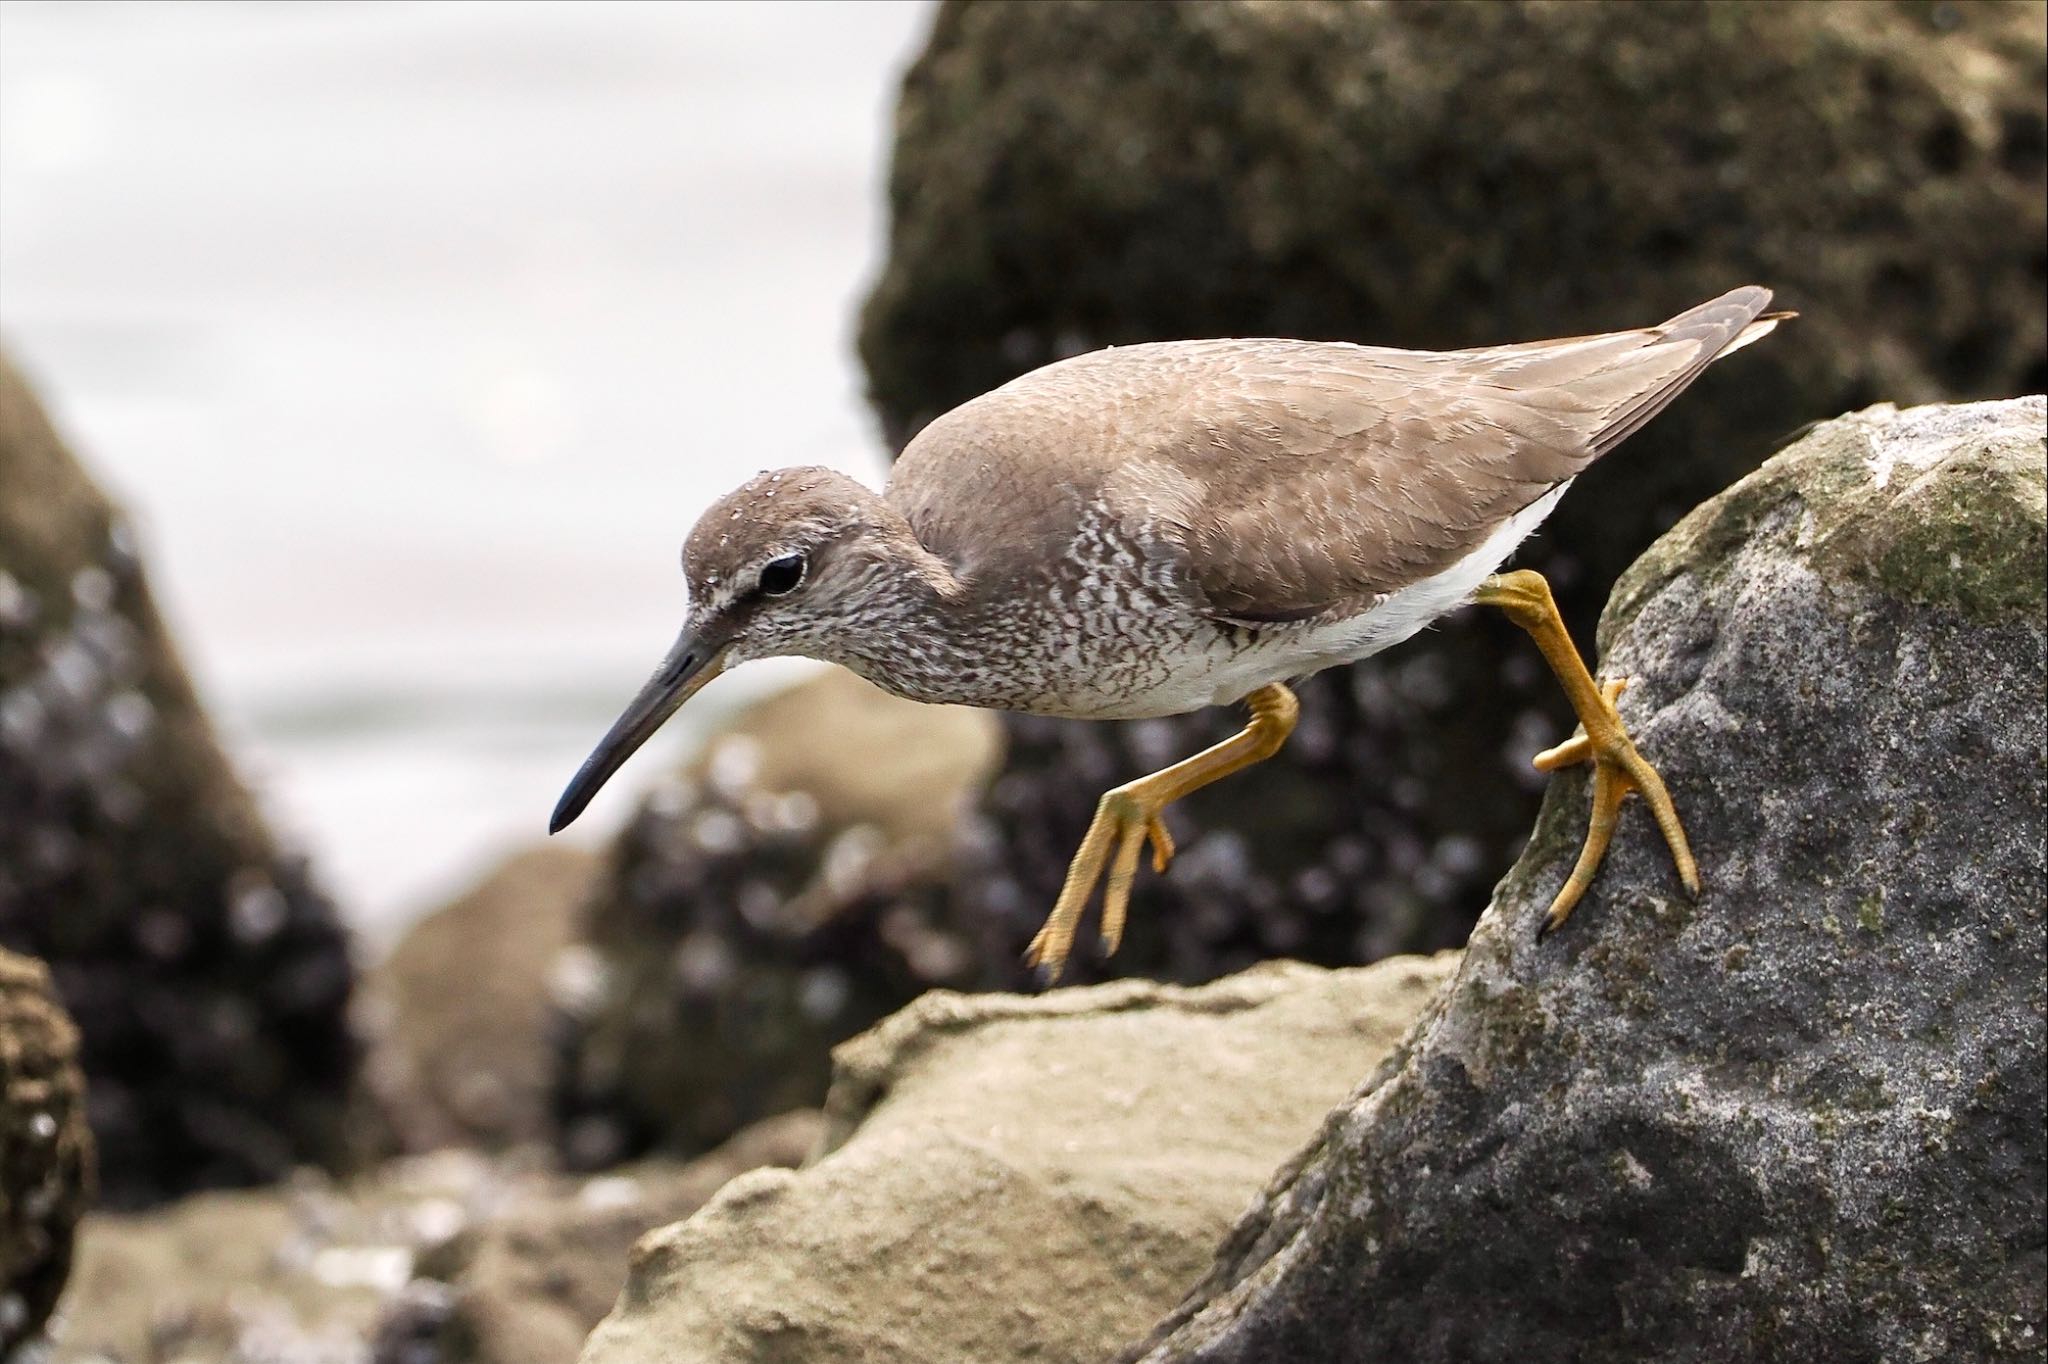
(1393, 465)
(1293, 478)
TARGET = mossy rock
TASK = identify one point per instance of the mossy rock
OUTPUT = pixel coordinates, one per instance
(1938, 506)
(1801, 1116)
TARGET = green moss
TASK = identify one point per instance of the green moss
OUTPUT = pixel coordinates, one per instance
(1969, 537)
(1517, 1028)
(1870, 912)
(1941, 507)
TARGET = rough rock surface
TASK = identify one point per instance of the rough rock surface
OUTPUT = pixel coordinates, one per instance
(1443, 174)
(45, 1148)
(453, 1258)
(1801, 1118)
(778, 896)
(526, 1286)
(208, 977)
(462, 1012)
(1014, 1177)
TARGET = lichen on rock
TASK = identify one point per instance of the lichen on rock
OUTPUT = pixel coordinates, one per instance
(1937, 506)
(1803, 1116)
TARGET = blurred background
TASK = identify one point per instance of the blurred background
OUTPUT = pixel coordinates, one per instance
(413, 337)
(363, 365)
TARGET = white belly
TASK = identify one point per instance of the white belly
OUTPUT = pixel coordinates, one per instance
(1223, 675)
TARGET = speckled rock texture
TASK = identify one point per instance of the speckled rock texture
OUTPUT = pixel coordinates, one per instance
(1013, 1178)
(209, 978)
(452, 1258)
(1802, 1117)
(462, 1014)
(780, 894)
(526, 1286)
(46, 1173)
(1440, 175)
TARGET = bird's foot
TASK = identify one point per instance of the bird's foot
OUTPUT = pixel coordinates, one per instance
(1618, 770)
(1128, 818)
(1125, 820)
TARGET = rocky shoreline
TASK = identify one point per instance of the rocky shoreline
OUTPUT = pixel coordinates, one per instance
(766, 1080)
(1652, 1118)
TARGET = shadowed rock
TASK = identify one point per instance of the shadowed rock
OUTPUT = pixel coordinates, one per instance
(1440, 175)
(777, 896)
(1801, 1118)
(208, 976)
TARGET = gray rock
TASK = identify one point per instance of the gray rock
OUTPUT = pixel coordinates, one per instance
(1801, 1118)
(208, 974)
(46, 1168)
(1433, 174)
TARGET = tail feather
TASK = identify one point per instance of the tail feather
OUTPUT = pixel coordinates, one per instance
(1755, 331)
(1720, 326)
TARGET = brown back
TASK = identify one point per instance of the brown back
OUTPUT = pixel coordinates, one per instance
(1296, 477)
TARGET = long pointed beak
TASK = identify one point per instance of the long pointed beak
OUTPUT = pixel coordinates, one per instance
(689, 665)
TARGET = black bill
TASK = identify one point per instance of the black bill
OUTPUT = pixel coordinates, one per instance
(689, 665)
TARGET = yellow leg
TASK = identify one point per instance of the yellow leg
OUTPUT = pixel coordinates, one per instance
(1128, 817)
(1617, 768)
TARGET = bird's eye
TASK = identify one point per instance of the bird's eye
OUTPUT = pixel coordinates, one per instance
(779, 577)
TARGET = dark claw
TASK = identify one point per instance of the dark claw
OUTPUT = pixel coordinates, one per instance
(1046, 974)
(1544, 928)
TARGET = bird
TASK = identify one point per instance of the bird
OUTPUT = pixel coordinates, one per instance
(1152, 529)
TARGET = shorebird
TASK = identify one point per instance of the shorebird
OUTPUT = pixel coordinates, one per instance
(1151, 529)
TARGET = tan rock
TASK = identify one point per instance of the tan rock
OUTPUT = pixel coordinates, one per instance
(461, 1010)
(454, 1257)
(536, 1280)
(1013, 1177)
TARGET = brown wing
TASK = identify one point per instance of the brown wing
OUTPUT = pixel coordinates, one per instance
(1320, 475)
(1291, 477)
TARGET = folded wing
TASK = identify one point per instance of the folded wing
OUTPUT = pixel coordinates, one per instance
(1321, 475)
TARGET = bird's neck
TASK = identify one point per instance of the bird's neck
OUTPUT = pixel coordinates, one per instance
(915, 629)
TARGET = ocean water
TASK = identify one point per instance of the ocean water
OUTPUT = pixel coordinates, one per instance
(414, 336)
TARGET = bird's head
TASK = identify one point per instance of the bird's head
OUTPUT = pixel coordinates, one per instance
(790, 563)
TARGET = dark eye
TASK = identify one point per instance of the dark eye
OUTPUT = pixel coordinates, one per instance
(779, 577)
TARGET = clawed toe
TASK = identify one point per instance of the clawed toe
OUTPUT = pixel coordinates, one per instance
(1128, 818)
(1123, 826)
(1619, 770)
